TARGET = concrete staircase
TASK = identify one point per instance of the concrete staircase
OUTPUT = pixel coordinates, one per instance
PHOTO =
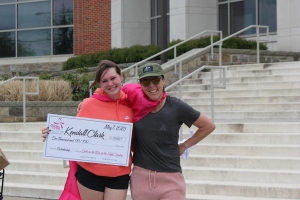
(253, 154)
(29, 174)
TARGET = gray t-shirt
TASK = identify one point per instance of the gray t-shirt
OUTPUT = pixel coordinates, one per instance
(156, 136)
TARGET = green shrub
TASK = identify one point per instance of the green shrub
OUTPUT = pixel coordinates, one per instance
(79, 84)
(82, 70)
(122, 55)
(44, 76)
(5, 77)
(138, 53)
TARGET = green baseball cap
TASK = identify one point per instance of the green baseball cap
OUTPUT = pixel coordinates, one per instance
(150, 69)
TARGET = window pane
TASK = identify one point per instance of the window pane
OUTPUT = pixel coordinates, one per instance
(8, 45)
(158, 6)
(62, 12)
(6, 1)
(27, 0)
(168, 28)
(63, 41)
(242, 14)
(35, 14)
(222, 0)
(158, 31)
(7, 17)
(223, 18)
(267, 18)
(153, 40)
(152, 8)
(168, 6)
(34, 42)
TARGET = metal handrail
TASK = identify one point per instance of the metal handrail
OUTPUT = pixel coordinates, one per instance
(175, 46)
(24, 90)
(2, 183)
(220, 42)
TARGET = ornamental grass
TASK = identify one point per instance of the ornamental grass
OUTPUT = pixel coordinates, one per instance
(49, 90)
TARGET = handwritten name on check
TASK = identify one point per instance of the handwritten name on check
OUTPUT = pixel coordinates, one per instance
(88, 140)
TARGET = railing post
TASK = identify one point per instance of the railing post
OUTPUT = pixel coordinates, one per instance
(175, 65)
(220, 49)
(212, 47)
(180, 96)
(136, 71)
(175, 53)
(90, 83)
(24, 100)
(180, 77)
(257, 44)
(65, 165)
(212, 94)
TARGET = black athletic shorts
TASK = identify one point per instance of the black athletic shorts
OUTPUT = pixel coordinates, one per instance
(99, 183)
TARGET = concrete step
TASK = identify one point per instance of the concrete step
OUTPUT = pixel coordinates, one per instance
(243, 100)
(249, 107)
(245, 189)
(247, 149)
(226, 197)
(253, 138)
(255, 79)
(256, 115)
(253, 73)
(281, 65)
(34, 126)
(242, 175)
(20, 154)
(242, 162)
(19, 144)
(21, 135)
(237, 93)
(242, 86)
(32, 190)
(259, 127)
(41, 178)
(37, 166)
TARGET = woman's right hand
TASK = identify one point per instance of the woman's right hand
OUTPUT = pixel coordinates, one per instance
(45, 133)
(79, 106)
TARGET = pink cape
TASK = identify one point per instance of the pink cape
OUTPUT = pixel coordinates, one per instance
(71, 191)
(141, 104)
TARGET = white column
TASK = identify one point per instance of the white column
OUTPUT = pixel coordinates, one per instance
(130, 21)
(288, 25)
(190, 17)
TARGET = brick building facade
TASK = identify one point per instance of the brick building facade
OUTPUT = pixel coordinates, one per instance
(92, 26)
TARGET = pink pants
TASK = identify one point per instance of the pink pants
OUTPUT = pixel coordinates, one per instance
(151, 185)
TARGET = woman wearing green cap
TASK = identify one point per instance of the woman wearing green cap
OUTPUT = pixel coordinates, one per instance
(157, 173)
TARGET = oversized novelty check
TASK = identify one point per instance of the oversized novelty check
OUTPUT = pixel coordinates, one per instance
(88, 140)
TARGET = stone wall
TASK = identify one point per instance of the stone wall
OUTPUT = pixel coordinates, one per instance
(35, 111)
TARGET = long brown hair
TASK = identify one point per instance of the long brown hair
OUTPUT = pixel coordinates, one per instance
(102, 66)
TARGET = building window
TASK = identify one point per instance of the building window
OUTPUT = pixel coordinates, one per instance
(36, 28)
(156, 21)
(236, 15)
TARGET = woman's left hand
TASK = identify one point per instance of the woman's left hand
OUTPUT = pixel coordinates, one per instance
(182, 148)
